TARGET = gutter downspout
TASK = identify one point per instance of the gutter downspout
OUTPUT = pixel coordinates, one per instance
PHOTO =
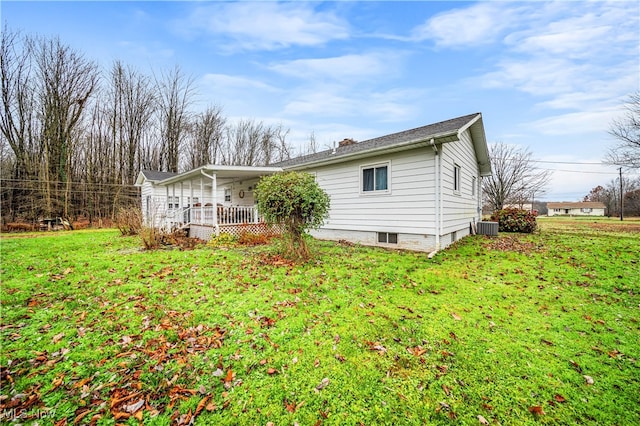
(437, 191)
(214, 198)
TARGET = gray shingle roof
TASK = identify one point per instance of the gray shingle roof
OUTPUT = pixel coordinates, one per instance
(423, 133)
(157, 176)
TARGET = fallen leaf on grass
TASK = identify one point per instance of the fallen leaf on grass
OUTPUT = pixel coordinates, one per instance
(615, 353)
(292, 407)
(482, 420)
(446, 389)
(202, 404)
(443, 406)
(80, 416)
(377, 346)
(559, 398)
(588, 380)
(323, 384)
(456, 316)
(536, 410)
(271, 371)
(132, 408)
(417, 351)
(57, 337)
(57, 382)
(576, 366)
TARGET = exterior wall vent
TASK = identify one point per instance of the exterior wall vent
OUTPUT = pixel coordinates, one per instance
(488, 228)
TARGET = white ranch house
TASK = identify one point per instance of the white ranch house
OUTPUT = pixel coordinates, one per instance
(419, 189)
(588, 208)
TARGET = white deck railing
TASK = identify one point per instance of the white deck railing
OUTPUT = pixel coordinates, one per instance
(226, 215)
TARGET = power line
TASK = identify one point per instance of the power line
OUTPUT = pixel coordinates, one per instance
(550, 162)
(67, 183)
(579, 171)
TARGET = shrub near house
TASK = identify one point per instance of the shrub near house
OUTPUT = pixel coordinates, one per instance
(515, 220)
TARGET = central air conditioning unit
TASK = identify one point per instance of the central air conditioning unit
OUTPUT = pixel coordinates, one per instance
(488, 228)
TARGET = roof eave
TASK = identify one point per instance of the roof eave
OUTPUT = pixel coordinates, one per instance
(439, 138)
(212, 168)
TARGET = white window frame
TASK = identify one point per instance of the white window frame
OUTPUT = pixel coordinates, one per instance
(586, 210)
(227, 195)
(457, 171)
(374, 166)
(173, 202)
(387, 237)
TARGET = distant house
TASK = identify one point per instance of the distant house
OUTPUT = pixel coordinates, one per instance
(576, 209)
(419, 189)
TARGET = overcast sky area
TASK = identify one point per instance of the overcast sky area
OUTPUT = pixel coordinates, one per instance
(548, 76)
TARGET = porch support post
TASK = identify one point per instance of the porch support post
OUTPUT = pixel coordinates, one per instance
(191, 197)
(201, 201)
(165, 221)
(181, 195)
(214, 197)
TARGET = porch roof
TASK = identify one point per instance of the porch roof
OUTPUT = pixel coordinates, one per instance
(223, 172)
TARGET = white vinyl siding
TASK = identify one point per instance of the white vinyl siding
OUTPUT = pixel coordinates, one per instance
(409, 208)
(460, 208)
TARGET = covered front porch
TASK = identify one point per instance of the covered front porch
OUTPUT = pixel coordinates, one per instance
(213, 198)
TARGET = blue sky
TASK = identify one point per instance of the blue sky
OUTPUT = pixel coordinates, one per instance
(549, 76)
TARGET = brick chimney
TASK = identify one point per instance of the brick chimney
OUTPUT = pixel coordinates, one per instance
(346, 142)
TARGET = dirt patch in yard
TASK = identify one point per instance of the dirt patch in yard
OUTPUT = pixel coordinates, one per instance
(633, 228)
(512, 243)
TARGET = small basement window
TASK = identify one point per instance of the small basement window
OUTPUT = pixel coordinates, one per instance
(388, 237)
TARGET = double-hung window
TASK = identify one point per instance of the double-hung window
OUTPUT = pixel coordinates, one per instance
(375, 178)
(174, 202)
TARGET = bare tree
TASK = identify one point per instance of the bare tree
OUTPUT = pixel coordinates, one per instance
(18, 122)
(282, 149)
(207, 131)
(131, 107)
(515, 178)
(175, 95)
(312, 145)
(626, 130)
(66, 80)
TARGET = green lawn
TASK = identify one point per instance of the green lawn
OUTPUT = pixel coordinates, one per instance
(517, 329)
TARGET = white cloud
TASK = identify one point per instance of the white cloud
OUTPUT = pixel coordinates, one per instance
(337, 101)
(353, 66)
(224, 82)
(536, 76)
(267, 25)
(482, 23)
(579, 60)
(152, 51)
(581, 122)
